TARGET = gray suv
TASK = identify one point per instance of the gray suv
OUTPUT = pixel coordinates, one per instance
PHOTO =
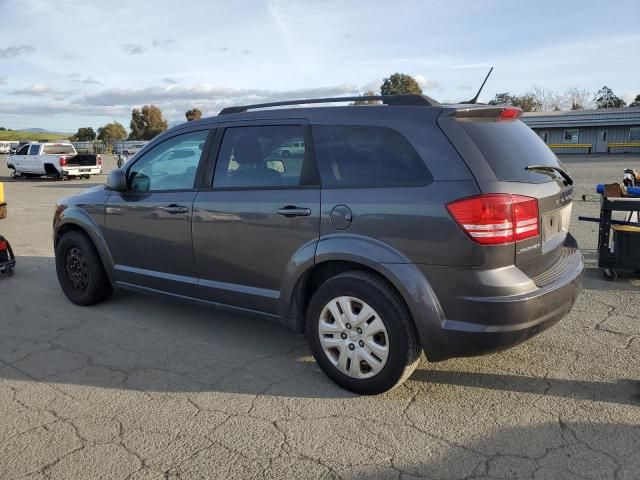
(403, 227)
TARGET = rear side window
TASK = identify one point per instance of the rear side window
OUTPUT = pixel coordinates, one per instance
(34, 149)
(354, 156)
(509, 147)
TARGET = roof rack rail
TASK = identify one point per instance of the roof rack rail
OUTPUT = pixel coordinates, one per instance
(393, 100)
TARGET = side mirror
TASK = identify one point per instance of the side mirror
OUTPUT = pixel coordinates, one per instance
(117, 180)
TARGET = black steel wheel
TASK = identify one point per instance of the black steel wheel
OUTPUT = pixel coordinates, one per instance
(77, 269)
(80, 271)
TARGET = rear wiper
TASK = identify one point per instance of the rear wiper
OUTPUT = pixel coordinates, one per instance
(552, 170)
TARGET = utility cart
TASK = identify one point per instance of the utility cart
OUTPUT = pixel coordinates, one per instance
(7, 258)
(618, 240)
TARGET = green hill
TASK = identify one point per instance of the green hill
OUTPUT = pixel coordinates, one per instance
(35, 136)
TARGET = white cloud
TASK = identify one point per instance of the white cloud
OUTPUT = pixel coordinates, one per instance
(40, 89)
(16, 51)
(426, 84)
(134, 48)
(166, 44)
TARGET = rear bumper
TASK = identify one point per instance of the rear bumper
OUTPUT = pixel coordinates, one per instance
(484, 324)
(77, 171)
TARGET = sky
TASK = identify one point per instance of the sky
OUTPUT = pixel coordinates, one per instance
(66, 64)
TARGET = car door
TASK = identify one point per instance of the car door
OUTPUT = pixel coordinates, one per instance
(32, 160)
(148, 226)
(258, 215)
(18, 159)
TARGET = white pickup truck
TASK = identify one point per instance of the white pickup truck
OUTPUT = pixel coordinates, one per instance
(55, 160)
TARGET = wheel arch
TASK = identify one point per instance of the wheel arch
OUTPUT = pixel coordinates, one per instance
(75, 219)
(391, 267)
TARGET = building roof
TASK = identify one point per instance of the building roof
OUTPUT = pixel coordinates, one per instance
(583, 118)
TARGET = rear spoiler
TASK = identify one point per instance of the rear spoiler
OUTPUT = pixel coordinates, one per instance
(488, 113)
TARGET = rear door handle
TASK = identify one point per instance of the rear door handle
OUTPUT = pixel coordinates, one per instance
(173, 209)
(291, 211)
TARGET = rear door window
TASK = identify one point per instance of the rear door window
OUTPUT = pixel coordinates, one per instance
(509, 147)
(359, 156)
(264, 157)
(34, 149)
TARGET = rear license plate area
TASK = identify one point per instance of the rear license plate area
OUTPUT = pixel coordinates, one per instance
(555, 226)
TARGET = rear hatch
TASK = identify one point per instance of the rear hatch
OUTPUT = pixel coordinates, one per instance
(508, 159)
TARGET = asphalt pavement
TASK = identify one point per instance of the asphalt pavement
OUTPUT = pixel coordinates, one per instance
(141, 387)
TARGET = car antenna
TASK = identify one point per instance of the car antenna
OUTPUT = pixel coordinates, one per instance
(475, 99)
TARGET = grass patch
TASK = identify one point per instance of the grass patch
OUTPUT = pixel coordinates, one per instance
(6, 135)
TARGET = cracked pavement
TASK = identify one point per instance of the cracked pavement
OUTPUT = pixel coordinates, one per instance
(141, 387)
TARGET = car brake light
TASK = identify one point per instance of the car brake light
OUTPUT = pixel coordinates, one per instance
(62, 161)
(3, 245)
(510, 113)
(496, 218)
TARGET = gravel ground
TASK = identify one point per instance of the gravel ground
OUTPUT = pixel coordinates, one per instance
(141, 387)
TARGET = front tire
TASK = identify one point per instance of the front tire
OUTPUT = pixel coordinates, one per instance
(361, 334)
(80, 270)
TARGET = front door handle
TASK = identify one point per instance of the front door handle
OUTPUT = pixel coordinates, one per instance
(291, 211)
(173, 209)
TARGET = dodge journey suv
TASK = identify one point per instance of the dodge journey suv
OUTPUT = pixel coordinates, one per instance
(400, 228)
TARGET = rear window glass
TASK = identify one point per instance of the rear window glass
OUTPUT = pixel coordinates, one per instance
(509, 147)
(352, 156)
(59, 150)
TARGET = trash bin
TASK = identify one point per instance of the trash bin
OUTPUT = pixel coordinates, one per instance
(626, 241)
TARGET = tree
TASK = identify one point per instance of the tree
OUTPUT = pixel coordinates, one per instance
(368, 93)
(578, 99)
(502, 99)
(146, 123)
(527, 102)
(548, 99)
(193, 114)
(85, 134)
(400, 84)
(636, 101)
(112, 132)
(605, 98)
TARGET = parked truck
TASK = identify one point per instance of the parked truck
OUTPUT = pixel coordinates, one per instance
(6, 146)
(55, 160)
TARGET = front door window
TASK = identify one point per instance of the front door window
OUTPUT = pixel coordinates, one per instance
(171, 165)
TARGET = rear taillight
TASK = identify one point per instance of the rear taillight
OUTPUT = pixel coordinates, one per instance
(62, 161)
(496, 218)
(99, 160)
(3, 245)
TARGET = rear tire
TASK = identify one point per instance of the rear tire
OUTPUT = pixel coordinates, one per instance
(365, 353)
(610, 274)
(80, 270)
